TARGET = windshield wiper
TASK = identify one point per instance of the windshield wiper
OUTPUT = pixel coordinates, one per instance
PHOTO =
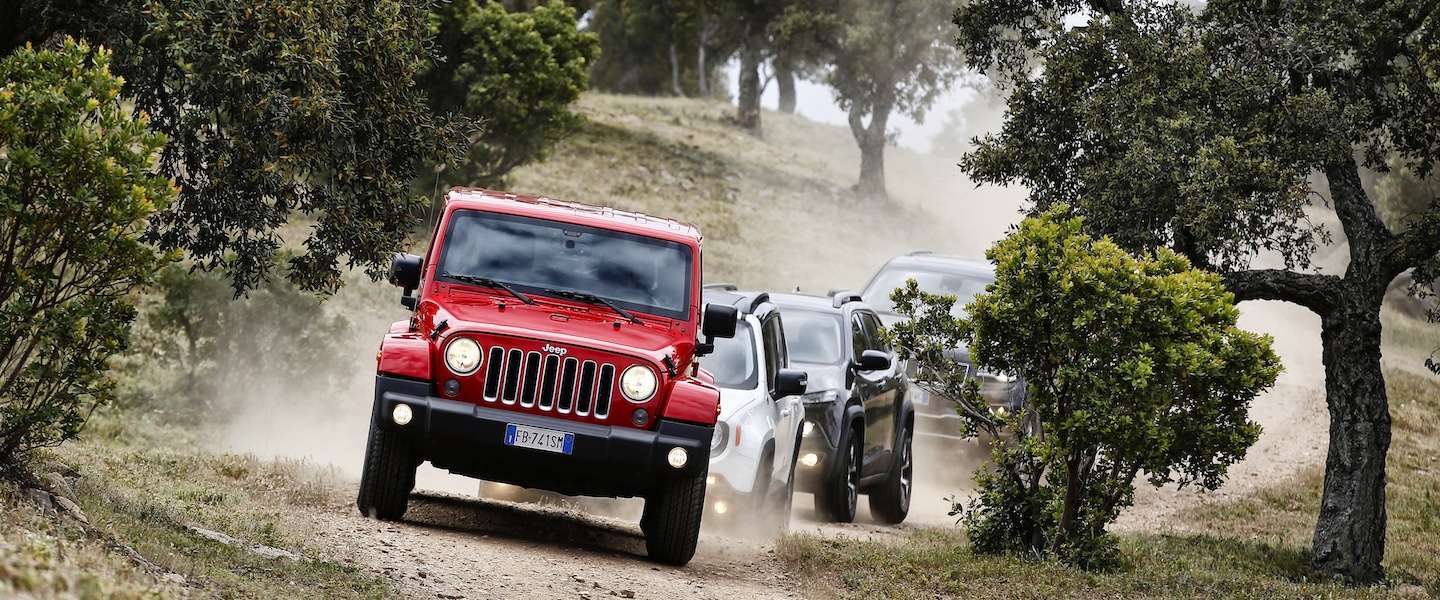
(488, 282)
(593, 299)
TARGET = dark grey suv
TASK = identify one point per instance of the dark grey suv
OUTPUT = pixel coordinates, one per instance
(964, 278)
(859, 425)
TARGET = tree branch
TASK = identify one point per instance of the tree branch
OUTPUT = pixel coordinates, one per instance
(1364, 230)
(1311, 290)
(1419, 243)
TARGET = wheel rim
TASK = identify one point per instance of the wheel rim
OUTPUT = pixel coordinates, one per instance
(907, 469)
(852, 479)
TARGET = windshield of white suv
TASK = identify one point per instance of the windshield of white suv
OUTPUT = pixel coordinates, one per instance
(733, 362)
(963, 286)
(813, 337)
(541, 257)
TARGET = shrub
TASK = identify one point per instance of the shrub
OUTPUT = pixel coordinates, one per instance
(518, 71)
(77, 181)
(199, 351)
(1133, 365)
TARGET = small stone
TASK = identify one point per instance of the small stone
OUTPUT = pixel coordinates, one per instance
(627, 594)
(69, 506)
(422, 574)
(41, 498)
(56, 483)
(578, 578)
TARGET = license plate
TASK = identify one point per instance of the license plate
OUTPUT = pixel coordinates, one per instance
(549, 440)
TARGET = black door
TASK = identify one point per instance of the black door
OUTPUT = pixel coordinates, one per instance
(871, 386)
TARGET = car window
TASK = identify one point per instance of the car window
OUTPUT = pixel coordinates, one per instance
(813, 337)
(963, 286)
(858, 339)
(774, 343)
(733, 363)
(874, 331)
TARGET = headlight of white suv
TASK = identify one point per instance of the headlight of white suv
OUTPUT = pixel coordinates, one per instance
(637, 383)
(463, 356)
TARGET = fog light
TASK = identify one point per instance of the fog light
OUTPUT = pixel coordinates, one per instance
(809, 427)
(810, 459)
(709, 480)
(402, 414)
(721, 508)
(678, 457)
(639, 417)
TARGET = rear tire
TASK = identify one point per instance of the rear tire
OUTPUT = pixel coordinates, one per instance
(388, 476)
(671, 522)
(891, 503)
(837, 498)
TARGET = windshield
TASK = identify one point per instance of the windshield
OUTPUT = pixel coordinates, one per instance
(963, 286)
(733, 362)
(635, 272)
(812, 337)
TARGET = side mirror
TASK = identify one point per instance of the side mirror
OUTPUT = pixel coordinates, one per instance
(872, 360)
(719, 321)
(791, 382)
(405, 272)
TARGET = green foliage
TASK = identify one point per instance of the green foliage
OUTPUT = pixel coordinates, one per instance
(77, 181)
(197, 350)
(1133, 365)
(518, 71)
(277, 110)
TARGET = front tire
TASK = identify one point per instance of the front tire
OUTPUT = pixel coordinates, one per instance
(388, 476)
(671, 522)
(891, 503)
(837, 497)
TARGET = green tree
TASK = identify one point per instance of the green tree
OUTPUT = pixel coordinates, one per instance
(202, 352)
(886, 57)
(77, 181)
(1199, 128)
(1133, 365)
(274, 110)
(519, 71)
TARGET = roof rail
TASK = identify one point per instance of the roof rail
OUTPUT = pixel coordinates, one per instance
(843, 298)
(760, 298)
(726, 287)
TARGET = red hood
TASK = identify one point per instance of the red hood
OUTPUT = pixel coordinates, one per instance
(558, 321)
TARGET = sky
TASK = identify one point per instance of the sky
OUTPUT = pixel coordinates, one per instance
(817, 103)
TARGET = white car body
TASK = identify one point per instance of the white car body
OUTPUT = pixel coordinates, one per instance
(754, 426)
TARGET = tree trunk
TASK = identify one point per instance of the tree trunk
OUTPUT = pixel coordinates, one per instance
(702, 69)
(1350, 532)
(785, 81)
(871, 138)
(747, 113)
(675, 70)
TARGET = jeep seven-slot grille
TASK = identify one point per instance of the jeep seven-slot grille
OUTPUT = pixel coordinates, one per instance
(552, 383)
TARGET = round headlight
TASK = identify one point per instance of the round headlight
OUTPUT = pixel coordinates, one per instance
(637, 383)
(463, 356)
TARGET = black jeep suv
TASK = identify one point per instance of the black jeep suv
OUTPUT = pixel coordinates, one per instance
(859, 425)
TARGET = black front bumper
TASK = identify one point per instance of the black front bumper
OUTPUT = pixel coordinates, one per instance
(468, 439)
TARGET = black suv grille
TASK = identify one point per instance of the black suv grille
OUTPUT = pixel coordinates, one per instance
(563, 385)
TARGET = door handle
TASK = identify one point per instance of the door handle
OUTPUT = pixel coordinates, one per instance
(785, 413)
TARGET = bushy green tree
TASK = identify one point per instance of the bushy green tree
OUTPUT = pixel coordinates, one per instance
(275, 110)
(1134, 366)
(77, 181)
(1218, 130)
(519, 71)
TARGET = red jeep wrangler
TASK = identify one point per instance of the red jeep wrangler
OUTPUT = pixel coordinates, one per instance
(552, 346)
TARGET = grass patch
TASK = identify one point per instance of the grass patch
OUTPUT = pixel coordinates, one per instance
(1253, 548)
(143, 485)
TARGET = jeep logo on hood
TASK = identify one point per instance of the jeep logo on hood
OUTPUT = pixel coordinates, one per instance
(556, 350)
